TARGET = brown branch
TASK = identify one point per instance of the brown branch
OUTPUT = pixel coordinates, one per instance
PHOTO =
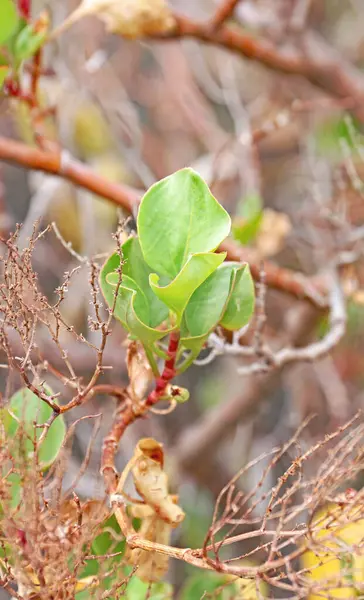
(199, 442)
(128, 412)
(61, 164)
(223, 13)
(315, 60)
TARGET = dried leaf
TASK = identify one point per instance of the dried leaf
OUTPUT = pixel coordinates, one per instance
(139, 370)
(151, 481)
(273, 231)
(152, 566)
(130, 18)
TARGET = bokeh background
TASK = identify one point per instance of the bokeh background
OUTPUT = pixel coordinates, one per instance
(137, 111)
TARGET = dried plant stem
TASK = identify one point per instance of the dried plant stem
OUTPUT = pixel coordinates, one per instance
(313, 290)
(128, 412)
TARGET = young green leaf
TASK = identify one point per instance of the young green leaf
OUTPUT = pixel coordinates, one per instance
(207, 304)
(226, 298)
(249, 218)
(240, 307)
(8, 20)
(177, 294)
(4, 72)
(25, 409)
(136, 268)
(28, 42)
(132, 308)
(178, 217)
(137, 589)
(205, 583)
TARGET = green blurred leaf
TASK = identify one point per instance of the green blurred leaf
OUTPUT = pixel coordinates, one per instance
(105, 542)
(138, 590)
(333, 131)
(8, 20)
(28, 42)
(196, 270)
(178, 217)
(25, 409)
(4, 72)
(205, 582)
(249, 217)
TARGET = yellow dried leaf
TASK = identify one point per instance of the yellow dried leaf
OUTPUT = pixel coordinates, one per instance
(152, 566)
(151, 482)
(273, 231)
(139, 371)
(129, 18)
(336, 560)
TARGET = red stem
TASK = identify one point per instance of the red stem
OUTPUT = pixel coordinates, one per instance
(24, 8)
(169, 371)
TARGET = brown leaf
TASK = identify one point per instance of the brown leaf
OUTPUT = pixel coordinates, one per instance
(151, 481)
(139, 370)
(129, 18)
(152, 566)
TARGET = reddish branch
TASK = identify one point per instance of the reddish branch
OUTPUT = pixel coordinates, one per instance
(24, 7)
(223, 13)
(61, 164)
(315, 59)
(128, 412)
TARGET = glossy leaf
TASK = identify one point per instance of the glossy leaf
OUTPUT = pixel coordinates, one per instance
(177, 294)
(131, 308)
(240, 307)
(8, 20)
(23, 410)
(206, 306)
(136, 268)
(178, 217)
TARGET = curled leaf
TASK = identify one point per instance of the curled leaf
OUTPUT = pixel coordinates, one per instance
(139, 371)
(177, 393)
(151, 481)
(130, 18)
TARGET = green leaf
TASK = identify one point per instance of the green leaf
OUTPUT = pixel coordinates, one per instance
(207, 305)
(178, 217)
(138, 590)
(105, 542)
(137, 269)
(8, 20)
(240, 307)
(226, 298)
(4, 72)
(249, 217)
(198, 585)
(23, 410)
(177, 294)
(131, 308)
(28, 42)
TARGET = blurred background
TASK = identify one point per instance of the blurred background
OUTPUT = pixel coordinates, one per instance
(137, 111)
